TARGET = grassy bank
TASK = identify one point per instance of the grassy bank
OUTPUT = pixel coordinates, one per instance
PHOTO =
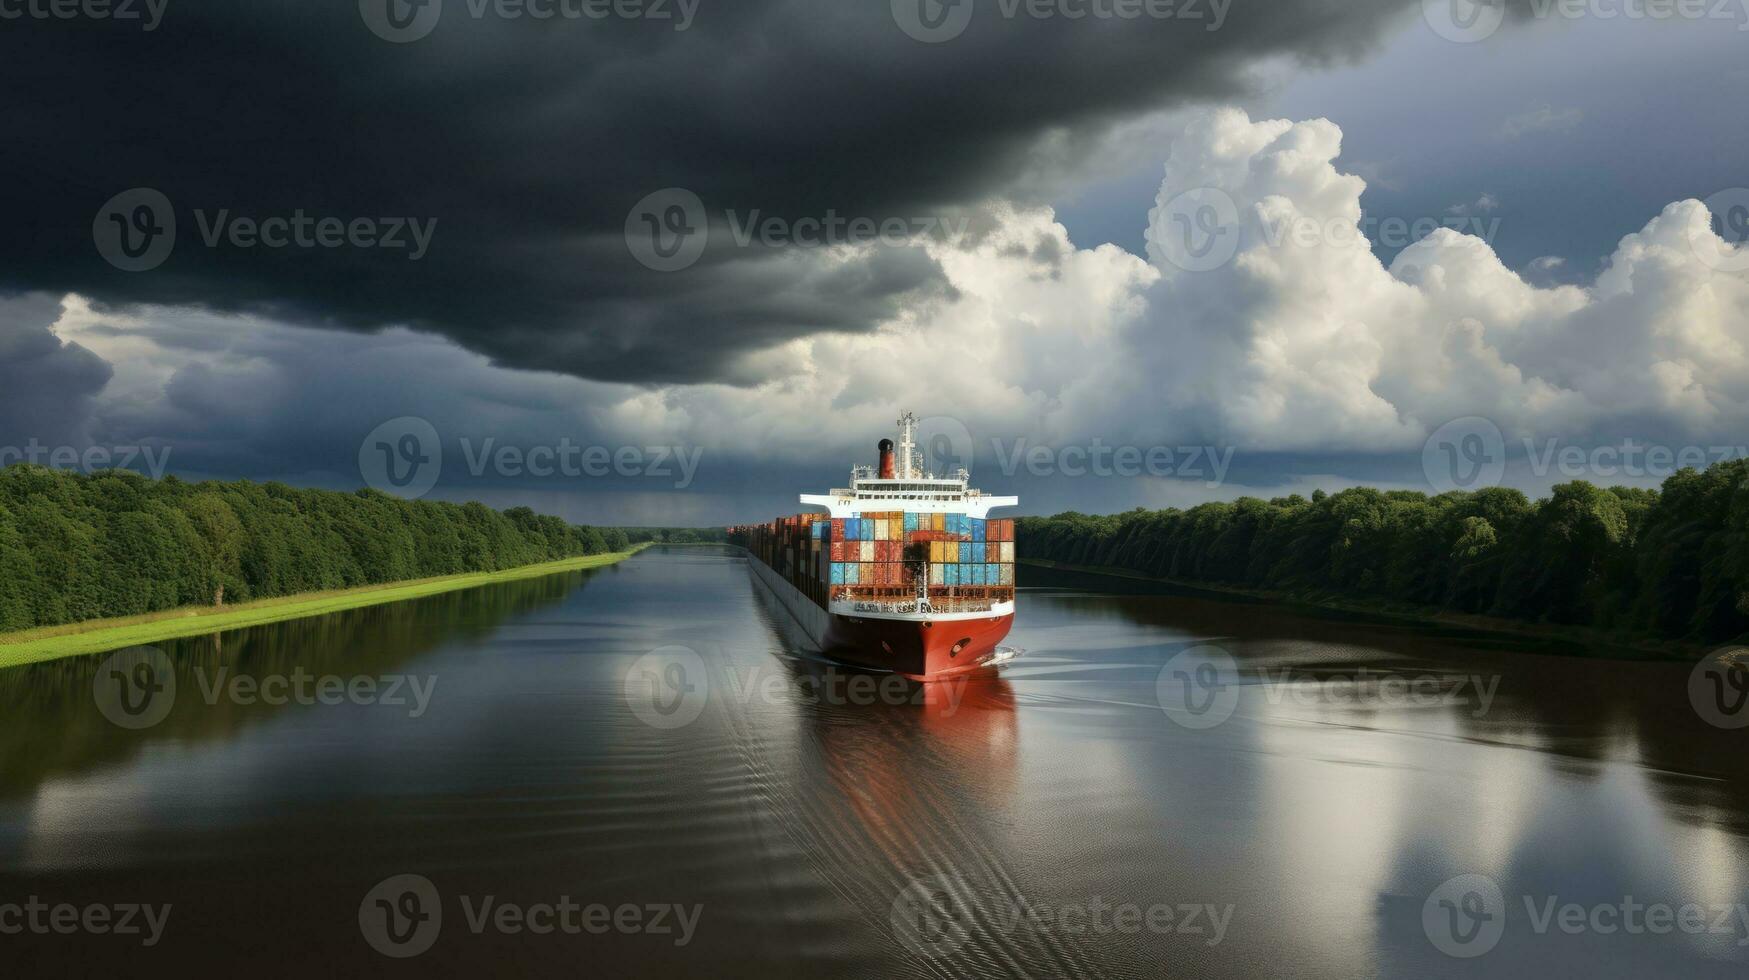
(98, 635)
(1598, 642)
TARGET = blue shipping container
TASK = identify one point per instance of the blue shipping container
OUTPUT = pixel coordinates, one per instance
(910, 520)
(852, 574)
(837, 573)
(977, 529)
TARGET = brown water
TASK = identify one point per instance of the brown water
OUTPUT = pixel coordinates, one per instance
(640, 743)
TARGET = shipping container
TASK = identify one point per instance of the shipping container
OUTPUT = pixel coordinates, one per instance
(1006, 575)
(1005, 552)
(951, 552)
(938, 575)
(978, 529)
(865, 551)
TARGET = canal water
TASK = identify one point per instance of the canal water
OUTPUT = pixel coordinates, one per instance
(633, 772)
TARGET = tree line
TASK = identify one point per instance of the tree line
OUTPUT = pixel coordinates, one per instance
(1671, 563)
(75, 547)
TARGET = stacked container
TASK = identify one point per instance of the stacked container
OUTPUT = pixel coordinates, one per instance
(880, 555)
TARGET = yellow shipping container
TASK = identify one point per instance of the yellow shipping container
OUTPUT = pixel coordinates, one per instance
(938, 552)
(951, 553)
(938, 522)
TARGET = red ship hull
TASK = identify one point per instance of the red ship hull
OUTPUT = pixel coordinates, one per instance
(922, 650)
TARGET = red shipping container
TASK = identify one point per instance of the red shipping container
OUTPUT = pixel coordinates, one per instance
(838, 529)
(837, 551)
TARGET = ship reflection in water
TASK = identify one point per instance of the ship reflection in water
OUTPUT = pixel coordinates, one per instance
(1050, 820)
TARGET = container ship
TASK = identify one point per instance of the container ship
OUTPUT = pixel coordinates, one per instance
(904, 572)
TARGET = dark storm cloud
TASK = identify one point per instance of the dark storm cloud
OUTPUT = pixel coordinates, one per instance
(47, 387)
(528, 141)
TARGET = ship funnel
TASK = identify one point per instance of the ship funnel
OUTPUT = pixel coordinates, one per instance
(886, 459)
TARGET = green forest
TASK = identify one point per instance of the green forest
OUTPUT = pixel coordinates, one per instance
(1670, 564)
(75, 547)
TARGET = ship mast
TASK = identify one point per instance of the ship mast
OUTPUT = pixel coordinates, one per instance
(907, 446)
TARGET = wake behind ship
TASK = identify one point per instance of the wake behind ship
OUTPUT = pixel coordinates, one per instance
(906, 571)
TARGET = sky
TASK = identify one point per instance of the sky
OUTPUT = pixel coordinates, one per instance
(679, 266)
